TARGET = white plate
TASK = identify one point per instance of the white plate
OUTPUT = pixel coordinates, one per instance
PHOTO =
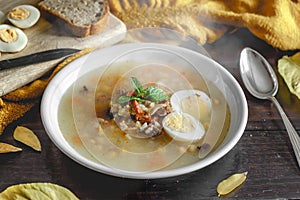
(207, 67)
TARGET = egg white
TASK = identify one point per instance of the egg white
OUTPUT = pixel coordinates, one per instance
(17, 45)
(28, 22)
(178, 96)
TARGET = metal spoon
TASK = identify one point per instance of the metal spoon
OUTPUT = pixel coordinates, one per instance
(260, 80)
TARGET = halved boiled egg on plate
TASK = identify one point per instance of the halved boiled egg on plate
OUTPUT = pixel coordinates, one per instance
(190, 108)
(12, 39)
(183, 127)
(195, 102)
(24, 16)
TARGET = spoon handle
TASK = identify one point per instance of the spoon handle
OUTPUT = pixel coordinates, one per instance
(293, 135)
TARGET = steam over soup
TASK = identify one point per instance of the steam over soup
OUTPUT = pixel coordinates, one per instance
(144, 117)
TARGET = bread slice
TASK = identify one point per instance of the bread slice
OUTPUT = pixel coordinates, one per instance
(77, 17)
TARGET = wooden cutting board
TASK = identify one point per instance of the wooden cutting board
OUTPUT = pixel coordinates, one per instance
(43, 36)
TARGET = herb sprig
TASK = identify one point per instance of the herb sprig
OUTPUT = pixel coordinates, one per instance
(150, 93)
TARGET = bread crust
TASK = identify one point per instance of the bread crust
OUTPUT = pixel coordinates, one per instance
(68, 26)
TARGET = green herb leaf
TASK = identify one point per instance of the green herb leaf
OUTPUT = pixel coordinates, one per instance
(151, 93)
(125, 99)
(155, 94)
(137, 86)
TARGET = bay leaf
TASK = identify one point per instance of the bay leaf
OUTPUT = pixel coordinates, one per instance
(37, 191)
(228, 185)
(27, 136)
(8, 148)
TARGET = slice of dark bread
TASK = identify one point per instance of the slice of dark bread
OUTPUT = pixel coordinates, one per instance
(77, 17)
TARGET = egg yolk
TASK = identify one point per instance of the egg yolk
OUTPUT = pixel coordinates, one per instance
(19, 14)
(179, 123)
(8, 35)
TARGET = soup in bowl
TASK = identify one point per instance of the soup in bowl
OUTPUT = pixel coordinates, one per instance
(144, 110)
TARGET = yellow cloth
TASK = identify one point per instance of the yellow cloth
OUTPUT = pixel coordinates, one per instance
(17, 103)
(275, 21)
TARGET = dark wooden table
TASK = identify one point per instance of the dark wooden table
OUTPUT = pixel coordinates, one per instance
(264, 150)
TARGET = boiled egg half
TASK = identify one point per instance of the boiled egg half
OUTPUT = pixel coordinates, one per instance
(194, 102)
(24, 16)
(183, 127)
(12, 39)
(190, 108)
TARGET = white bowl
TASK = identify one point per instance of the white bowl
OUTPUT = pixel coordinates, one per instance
(208, 68)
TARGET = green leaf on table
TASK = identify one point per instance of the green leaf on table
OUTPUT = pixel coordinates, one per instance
(37, 191)
(289, 69)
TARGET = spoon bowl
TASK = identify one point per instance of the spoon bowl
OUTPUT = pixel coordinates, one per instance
(261, 81)
(257, 74)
